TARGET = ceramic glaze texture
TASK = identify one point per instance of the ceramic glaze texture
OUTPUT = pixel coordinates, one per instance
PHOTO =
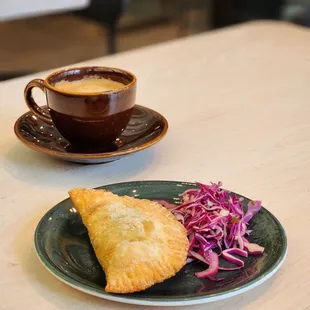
(145, 128)
(87, 119)
(64, 248)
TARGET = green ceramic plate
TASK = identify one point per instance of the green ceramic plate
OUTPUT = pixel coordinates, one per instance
(62, 244)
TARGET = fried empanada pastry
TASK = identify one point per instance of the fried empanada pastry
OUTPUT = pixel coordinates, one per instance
(138, 242)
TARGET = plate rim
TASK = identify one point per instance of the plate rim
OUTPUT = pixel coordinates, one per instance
(178, 301)
(102, 155)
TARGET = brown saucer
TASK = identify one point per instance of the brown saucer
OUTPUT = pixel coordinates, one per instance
(146, 127)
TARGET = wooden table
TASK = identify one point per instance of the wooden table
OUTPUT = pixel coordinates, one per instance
(238, 105)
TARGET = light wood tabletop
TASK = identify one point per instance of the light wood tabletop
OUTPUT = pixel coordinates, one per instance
(237, 102)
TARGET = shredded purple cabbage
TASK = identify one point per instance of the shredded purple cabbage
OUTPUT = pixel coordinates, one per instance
(216, 226)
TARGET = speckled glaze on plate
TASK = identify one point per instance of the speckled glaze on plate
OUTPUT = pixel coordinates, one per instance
(63, 246)
(146, 127)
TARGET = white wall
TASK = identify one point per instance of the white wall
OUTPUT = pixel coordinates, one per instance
(15, 9)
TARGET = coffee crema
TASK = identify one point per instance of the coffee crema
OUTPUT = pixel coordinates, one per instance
(88, 85)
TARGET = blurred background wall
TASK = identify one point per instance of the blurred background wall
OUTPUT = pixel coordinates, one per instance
(110, 26)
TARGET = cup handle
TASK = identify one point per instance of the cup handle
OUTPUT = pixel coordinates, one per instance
(32, 105)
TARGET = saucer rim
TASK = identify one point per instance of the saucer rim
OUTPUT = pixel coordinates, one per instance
(67, 155)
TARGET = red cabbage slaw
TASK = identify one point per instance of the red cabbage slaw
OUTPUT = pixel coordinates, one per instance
(216, 226)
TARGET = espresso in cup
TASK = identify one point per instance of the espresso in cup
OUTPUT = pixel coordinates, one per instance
(90, 106)
(89, 85)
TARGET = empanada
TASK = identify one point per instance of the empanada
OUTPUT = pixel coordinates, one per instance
(138, 242)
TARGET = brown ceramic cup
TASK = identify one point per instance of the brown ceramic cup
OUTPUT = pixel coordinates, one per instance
(92, 119)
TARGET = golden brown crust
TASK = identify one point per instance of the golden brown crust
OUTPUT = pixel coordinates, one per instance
(138, 242)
